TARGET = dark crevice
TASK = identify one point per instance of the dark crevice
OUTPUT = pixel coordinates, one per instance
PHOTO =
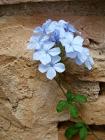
(92, 41)
(102, 88)
(94, 127)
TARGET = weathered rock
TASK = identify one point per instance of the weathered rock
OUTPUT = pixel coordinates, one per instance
(96, 49)
(29, 103)
(94, 112)
(96, 35)
(3, 2)
(39, 132)
(28, 100)
(90, 89)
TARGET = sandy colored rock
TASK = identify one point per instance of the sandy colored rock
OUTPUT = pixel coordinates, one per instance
(17, 27)
(48, 132)
(94, 112)
(89, 89)
(28, 100)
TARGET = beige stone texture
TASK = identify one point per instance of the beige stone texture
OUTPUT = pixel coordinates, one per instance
(27, 99)
(94, 112)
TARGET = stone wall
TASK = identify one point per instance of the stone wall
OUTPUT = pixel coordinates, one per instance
(3, 2)
(27, 99)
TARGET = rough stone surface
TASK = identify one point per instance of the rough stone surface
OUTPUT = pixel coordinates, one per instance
(3, 2)
(60, 9)
(27, 99)
(90, 89)
(27, 109)
(94, 112)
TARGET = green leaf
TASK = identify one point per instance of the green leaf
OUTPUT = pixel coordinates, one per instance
(80, 98)
(83, 133)
(73, 111)
(69, 96)
(71, 131)
(62, 104)
(79, 125)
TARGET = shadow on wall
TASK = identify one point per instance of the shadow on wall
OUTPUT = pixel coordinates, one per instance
(72, 7)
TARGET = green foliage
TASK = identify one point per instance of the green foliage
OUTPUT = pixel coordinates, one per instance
(69, 96)
(73, 111)
(71, 131)
(83, 133)
(62, 104)
(80, 98)
(78, 128)
(71, 104)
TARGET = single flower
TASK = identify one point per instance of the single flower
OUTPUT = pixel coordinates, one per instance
(53, 67)
(82, 56)
(45, 52)
(72, 44)
(67, 26)
(89, 62)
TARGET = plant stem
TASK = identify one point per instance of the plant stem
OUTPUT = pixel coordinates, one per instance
(58, 82)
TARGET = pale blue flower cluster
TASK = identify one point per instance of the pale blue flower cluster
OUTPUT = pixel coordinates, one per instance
(45, 43)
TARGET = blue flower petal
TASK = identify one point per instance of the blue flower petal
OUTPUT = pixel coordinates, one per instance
(51, 27)
(78, 41)
(71, 55)
(78, 62)
(48, 45)
(51, 73)
(55, 59)
(59, 67)
(78, 48)
(62, 23)
(68, 48)
(36, 55)
(44, 38)
(35, 38)
(43, 68)
(45, 58)
(67, 39)
(89, 63)
(83, 55)
(55, 36)
(34, 46)
(38, 30)
(54, 51)
(71, 28)
(61, 33)
(69, 36)
(46, 24)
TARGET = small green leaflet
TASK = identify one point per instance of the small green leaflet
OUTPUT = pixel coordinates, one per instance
(71, 131)
(78, 128)
(69, 96)
(62, 104)
(83, 133)
(80, 98)
(71, 102)
(73, 111)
